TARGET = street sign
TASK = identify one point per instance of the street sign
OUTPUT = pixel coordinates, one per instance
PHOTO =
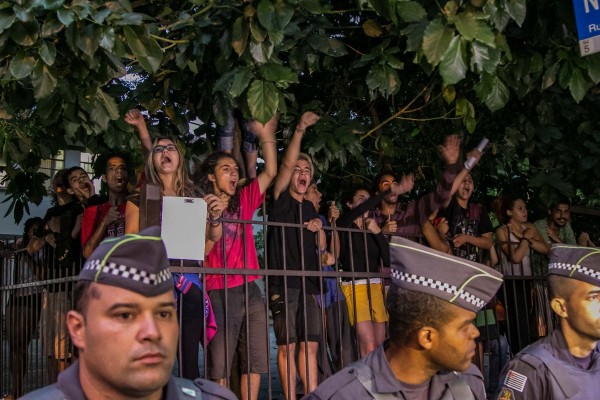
(587, 16)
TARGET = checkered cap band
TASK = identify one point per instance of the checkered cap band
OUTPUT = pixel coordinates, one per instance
(444, 287)
(135, 274)
(465, 283)
(135, 262)
(581, 263)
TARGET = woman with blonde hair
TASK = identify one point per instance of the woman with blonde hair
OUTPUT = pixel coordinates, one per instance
(166, 166)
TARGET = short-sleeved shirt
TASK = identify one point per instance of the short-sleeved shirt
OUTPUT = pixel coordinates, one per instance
(92, 218)
(346, 384)
(528, 377)
(284, 244)
(473, 220)
(565, 233)
(235, 235)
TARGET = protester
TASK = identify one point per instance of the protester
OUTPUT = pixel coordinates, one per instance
(566, 363)
(238, 297)
(24, 305)
(337, 351)
(556, 228)
(62, 259)
(107, 219)
(291, 298)
(435, 231)
(432, 337)
(80, 184)
(395, 218)
(165, 166)
(366, 252)
(124, 323)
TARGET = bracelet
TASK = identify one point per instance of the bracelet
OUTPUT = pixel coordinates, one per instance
(215, 223)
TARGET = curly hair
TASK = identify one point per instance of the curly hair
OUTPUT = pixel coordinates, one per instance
(28, 224)
(410, 311)
(182, 185)
(505, 203)
(208, 166)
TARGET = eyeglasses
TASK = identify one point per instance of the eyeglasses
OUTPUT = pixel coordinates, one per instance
(160, 148)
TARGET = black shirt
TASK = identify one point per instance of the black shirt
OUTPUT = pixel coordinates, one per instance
(284, 244)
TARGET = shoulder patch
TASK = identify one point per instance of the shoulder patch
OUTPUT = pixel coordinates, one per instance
(506, 394)
(515, 380)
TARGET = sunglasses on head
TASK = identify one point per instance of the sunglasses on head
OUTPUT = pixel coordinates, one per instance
(160, 148)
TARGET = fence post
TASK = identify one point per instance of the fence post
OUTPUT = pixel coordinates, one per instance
(150, 196)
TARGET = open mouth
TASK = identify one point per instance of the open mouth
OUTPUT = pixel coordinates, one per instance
(165, 159)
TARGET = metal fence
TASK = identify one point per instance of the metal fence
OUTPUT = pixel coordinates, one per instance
(35, 347)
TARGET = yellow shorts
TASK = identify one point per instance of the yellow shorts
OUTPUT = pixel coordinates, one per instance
(365, 311)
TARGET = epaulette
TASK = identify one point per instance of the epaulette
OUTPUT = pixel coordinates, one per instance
(213, 390)
(332, 385)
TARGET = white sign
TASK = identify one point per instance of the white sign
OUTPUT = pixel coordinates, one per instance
(183, 227)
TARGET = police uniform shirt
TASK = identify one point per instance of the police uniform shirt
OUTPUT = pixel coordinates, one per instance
(346, 384)
(528, 377)
(69, 387)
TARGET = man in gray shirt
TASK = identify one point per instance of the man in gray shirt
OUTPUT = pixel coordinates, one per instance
(432, 305)
(125, 327)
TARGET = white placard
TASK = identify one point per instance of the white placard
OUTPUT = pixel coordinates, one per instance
(184, 227)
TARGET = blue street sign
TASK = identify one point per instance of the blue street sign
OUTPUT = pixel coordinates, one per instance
(587, 16)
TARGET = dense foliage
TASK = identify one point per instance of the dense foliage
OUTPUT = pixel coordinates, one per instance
(389, 78)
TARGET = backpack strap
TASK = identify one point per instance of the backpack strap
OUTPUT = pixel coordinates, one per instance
(460, 389)
(364, 374)
(539, 357)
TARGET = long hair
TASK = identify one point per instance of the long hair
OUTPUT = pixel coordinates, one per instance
(28, 224)
(506, 202)
(200, 177)
(182, 185)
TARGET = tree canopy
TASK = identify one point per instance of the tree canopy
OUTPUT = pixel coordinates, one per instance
(389, 77)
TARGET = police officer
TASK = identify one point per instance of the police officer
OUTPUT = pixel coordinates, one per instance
(432, 305)
(565, 364)
(125, 327)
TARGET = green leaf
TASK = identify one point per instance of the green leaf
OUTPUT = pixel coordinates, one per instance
(109, 104)
(383, 79)
(107, 38)
(284, 13)
(43, 81)
(241, 79)
(266, 15)
(263, 100)
(51, 25)
(385, 8)
(410, 11)
(6, 21)
(578, 85)
(453, 67)
(261, 52)
(146, 49)
(312, 6)
(550, 76)
(21, 65)
(47, 52)
(25, 34)
(414, 35)
(472, 27)
(593, 66)
(449, 94)
(484, 58)
(492, 91)
(131, 18)
(239, 35)
(65, 16)
(51, 4)
(258, 34)
(517, 10)
(278, 73)
(89, 39)
(436, 41)
(329, 46)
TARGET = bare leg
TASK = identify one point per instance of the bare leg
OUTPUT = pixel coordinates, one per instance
(285, 356)
(366, 337)
(379, 329)
(254, 386)
(310, 381)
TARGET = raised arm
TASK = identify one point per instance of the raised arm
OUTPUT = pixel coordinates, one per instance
(266, 135)
(291, 153)
(135, 118)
